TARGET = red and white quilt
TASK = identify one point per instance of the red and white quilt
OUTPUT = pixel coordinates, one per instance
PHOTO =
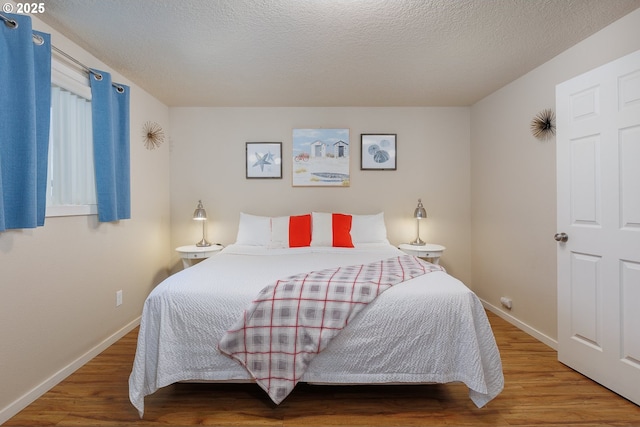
(293, 319)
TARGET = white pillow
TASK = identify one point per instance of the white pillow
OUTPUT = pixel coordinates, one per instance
(368, 229)
(279, 232)
(321, 229)
(254, 230)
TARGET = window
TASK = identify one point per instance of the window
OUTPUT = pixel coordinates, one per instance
(71, 186)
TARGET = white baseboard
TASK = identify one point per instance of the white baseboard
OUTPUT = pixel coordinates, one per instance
(32, 395)
(553, 343)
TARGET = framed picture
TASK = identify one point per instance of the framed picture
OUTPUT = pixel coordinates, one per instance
(264, 160)
(378, 151)
(320, 158)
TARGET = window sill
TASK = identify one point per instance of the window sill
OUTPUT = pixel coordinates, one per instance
(71, 210)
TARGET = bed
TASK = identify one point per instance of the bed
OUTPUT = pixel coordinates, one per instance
(427, 329)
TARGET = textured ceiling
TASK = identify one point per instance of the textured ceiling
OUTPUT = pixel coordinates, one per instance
(328, 52)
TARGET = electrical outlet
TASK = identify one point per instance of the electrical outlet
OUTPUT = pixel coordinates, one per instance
(119, 298)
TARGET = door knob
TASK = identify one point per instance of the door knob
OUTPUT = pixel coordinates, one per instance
(561, 237)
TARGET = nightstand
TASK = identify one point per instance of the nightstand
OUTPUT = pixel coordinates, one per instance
(190, 254)
(430, 251)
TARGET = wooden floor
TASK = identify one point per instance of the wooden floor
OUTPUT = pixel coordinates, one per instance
(538, 391)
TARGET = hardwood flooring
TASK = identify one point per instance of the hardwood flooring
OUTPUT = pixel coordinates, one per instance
(539, 391)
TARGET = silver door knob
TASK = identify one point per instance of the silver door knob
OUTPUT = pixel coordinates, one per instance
(561, 237)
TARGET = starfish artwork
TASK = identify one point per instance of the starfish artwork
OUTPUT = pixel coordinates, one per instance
(262, 160)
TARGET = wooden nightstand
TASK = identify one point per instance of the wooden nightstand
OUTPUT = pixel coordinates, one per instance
(192, 253)
(430, 251)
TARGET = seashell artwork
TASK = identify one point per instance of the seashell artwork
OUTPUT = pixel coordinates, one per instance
(378, 151)
(381, 156)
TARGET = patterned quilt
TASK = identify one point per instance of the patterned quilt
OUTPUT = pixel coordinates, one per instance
(294, 318)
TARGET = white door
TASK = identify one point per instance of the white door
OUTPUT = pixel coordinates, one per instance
(598, 173)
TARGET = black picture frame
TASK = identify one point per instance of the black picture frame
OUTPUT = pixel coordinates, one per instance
(263, 160)
(378, 151)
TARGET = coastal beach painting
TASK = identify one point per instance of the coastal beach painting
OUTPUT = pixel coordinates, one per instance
(321, 158)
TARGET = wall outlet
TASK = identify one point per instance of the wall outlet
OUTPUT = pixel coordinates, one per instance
(119, 298)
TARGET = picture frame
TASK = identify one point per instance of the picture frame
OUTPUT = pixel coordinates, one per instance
(263, 160)
(378, 151)
(320, 158)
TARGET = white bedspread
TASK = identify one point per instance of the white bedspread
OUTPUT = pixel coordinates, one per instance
(185, 317)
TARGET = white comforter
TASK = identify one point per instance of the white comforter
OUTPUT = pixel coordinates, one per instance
(430, 329)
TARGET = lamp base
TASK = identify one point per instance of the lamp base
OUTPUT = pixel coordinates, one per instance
(418, 242)
(203, 243)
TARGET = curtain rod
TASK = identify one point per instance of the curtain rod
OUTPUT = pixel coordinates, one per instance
(37, 39)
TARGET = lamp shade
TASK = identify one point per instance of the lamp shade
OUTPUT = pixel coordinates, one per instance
(200, 214)
(420, 212)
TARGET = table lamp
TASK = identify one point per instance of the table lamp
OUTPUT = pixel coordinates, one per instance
(201, 215)
(419, 214)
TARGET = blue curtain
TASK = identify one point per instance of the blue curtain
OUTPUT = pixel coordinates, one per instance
(110, 115)
(25, 104)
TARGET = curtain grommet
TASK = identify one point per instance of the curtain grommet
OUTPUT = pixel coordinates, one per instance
(38, 40)
(11, 23)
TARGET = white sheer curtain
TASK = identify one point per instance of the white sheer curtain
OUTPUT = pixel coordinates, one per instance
(71, 172)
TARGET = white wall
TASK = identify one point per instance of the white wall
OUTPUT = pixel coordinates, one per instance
(513, 175)
(208, 163)
(58, 282)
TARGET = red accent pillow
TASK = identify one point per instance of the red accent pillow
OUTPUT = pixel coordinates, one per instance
(341, 227)
(299, 231)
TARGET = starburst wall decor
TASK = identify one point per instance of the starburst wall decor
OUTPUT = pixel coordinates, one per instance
(543, 125)
(153, 135)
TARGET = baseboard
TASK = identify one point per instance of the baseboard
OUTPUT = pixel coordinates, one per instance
(553, 343)
(31, 396)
